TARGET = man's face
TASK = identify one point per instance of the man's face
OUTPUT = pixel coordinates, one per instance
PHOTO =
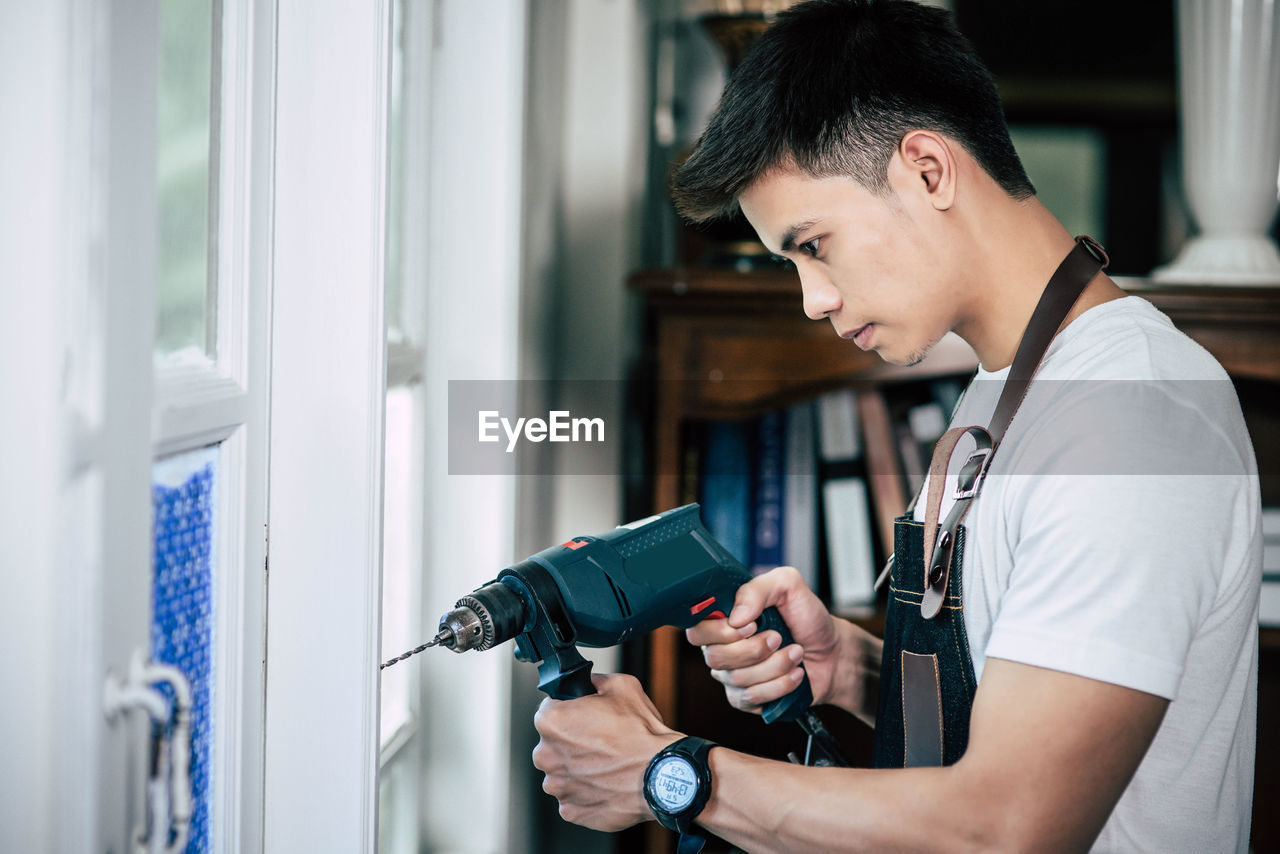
(864, 261)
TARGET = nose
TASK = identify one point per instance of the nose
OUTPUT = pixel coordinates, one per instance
(820, 296)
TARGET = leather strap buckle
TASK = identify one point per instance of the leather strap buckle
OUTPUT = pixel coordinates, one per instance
(969, 481)
(1095, 249)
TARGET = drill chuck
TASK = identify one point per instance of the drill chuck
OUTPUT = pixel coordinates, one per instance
(485, 618)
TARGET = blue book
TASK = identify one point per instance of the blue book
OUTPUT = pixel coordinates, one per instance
(726, 486)
(800, 493)
(767, 541)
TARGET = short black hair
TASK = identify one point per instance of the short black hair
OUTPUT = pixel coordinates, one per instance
(831, 88)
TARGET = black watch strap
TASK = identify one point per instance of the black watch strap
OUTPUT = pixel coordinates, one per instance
(695, 750)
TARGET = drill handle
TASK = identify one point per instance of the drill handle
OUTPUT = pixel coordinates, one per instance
(793, 706)
(565, 675)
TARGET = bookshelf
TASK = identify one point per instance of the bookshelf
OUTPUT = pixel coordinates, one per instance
(721, 344)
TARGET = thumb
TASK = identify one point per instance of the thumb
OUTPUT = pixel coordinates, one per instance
(759, 593)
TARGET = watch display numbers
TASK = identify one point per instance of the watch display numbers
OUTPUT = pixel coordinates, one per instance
(673, 783)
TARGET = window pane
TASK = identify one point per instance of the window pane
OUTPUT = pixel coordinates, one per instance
(183, 491)
(399, 554)
(186, 172)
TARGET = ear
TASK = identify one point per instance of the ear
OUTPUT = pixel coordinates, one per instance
(926, 162)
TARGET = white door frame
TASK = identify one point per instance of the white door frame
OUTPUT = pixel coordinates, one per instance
(327, 394)
(77, 282)
(37, 82)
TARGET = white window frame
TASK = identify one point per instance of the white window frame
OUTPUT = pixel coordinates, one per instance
(400, 760)
(327, 395)
(405, 350)
(224, 401)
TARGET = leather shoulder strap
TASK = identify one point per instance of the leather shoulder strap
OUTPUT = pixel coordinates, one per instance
(1075, 272)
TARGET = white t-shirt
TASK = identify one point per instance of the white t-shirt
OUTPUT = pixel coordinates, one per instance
(1117, 537)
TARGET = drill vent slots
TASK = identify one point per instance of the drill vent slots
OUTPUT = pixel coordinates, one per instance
(655, 535)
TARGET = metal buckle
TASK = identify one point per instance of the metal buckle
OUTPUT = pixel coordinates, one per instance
(1095, 249)
(971, 473)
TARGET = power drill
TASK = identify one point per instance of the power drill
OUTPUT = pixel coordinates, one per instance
(598, 591)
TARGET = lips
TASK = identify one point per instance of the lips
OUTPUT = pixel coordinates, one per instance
(861, 336)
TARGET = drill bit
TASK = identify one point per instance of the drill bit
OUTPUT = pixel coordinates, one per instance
(445, 637)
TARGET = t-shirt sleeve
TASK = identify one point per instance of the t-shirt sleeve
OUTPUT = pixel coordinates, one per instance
(1119, 537)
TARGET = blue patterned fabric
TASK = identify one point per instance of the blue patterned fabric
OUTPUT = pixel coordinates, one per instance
(182, 605)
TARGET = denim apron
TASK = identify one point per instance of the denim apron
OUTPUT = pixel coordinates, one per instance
(927, 681)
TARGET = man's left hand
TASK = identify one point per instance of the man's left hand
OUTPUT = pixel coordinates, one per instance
(594, 751)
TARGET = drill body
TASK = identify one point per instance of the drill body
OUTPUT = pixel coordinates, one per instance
(598, 591)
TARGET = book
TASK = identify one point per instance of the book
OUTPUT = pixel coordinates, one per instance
(914, 464)
(884, 474)
(691, 466)
(838, 428)
(846, 511)
(769, 459)
(850, 561)
(800, 493)
(726, 486)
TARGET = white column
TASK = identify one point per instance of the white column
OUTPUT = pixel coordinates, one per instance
(1230, 101)
(327, 372)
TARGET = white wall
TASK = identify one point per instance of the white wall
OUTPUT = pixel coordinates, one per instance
(34, 64)
(472, 333)
(585, 164)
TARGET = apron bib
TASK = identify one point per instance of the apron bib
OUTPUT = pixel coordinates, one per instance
(927, 682)
(929, 656)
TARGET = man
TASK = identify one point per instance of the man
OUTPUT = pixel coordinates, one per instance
(1103, 597)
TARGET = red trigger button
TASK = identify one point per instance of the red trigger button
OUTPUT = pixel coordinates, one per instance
(716, 615)
(702, 606)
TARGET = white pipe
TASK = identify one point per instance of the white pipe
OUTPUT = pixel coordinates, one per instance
(118, 697)
(180, 746)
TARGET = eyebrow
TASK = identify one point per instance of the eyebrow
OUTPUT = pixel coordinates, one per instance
(789, 238)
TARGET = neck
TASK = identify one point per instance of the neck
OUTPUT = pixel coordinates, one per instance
(1015, 251)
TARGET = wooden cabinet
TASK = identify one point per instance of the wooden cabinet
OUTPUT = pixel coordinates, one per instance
(722, 345)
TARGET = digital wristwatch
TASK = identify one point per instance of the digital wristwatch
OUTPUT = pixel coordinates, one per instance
(677, 785)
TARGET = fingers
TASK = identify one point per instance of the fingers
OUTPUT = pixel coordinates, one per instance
(780, 663)
(753, 698)
(770, 588)
(742, 652)
(718, 631)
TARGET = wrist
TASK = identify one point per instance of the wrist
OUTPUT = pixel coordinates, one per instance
(856, 673)
(677, 786)
(658, 742)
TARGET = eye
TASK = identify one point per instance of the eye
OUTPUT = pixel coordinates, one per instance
(810, 247)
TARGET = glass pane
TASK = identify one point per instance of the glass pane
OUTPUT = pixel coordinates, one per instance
(186, 172)
(182, 622)
(399, 603)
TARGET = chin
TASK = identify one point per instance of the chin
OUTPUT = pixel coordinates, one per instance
(908, 361)
(914, 357)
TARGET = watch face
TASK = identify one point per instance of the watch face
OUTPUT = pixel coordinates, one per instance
(673, 783)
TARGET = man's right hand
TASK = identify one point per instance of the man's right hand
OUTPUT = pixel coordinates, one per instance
(752, 667)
